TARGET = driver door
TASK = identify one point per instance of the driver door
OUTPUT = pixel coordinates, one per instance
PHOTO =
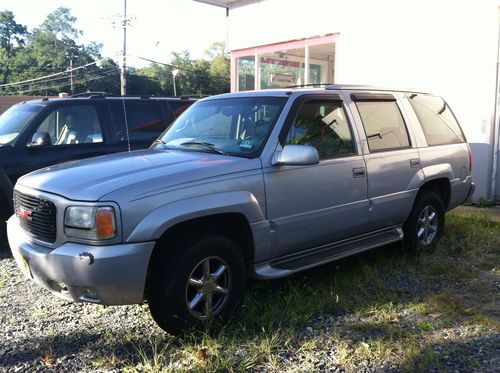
(317, 204)
(75, 132)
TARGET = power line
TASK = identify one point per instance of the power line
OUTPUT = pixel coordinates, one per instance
(45, 81)
(94, 77)
(180, 68)
(47, 76)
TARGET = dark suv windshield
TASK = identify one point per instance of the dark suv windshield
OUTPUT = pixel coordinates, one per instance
(14, 120)
(236, 126)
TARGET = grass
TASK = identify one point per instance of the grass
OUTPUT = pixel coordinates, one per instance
(400, 304)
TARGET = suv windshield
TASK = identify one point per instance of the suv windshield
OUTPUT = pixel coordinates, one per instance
(235, 126)
(14, 120)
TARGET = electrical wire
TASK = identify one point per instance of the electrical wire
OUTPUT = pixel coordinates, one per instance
(48, 76)
(76, 82)
(179, 68)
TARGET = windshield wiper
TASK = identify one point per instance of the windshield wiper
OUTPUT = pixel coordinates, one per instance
(160, 142)
(206, 145)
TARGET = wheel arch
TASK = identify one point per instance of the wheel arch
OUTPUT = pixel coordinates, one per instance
(6, 192)
(439, 185)
(233, 225)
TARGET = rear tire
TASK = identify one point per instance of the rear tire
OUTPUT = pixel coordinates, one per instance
(424, 226)
(197, 280)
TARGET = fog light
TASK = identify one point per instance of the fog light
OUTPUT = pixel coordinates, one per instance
(90, 295)
(62, 287)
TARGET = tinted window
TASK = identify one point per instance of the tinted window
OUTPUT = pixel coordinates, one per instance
(322, 124)
(437, 120)
(72, 125)
(14, 120)
(383, 124)
(144, 120)
(179, 106)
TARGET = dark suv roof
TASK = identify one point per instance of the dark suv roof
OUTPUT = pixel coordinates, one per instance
(45, 101)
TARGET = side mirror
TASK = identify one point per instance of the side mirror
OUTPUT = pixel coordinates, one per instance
(296, 155)
(40, 139)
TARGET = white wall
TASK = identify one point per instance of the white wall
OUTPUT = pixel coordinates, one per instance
(441, 46)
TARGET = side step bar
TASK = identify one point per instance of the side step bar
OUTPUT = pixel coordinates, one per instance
(297, 262)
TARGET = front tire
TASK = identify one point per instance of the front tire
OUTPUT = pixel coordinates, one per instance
(195, 281)
(424, 226)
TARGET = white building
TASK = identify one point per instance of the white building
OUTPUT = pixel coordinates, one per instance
(446, 47)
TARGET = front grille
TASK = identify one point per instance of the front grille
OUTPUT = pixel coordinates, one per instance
(36, 216)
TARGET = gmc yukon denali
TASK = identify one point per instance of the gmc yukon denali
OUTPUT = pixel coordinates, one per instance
(256, 184)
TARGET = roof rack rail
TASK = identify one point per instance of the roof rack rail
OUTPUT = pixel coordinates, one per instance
(90, 94)
(194, 95)
(309, 85)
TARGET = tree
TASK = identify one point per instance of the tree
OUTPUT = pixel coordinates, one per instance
(220, 66)
(60, 24)
(52, 48)
(11, 32)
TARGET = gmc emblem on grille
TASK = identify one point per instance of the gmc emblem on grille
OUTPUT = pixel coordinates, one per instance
(23, 213)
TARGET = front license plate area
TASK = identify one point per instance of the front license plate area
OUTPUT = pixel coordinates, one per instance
(23, 265)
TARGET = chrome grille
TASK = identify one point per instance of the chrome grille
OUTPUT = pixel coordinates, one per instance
(36, 216)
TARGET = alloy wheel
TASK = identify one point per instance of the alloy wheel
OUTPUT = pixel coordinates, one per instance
(208, 288)
(427, 225)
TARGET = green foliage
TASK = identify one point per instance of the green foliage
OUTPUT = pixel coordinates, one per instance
(11, 32)
(53, 47)
(484, 203)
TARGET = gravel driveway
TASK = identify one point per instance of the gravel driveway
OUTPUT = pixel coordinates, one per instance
(40, 332)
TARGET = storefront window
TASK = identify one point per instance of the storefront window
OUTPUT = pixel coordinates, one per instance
(282, 69)
(285, 65)
(246, 73)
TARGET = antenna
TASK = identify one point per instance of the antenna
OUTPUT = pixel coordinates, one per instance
(123, 80)
(126, 124)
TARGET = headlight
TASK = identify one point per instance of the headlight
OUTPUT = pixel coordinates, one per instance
(90, 223)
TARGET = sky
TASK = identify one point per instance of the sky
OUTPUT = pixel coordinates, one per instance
(156, 27)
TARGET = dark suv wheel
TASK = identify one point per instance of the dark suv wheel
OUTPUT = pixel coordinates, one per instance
(425, 224)
(3, 226)
(195, 281)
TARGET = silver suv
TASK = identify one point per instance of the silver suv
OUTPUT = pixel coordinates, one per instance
(255, 184)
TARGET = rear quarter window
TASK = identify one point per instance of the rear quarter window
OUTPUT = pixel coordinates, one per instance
(178, 107)
(144, 120)
(438, 123)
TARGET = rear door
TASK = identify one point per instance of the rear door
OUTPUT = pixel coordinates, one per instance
(391, 157)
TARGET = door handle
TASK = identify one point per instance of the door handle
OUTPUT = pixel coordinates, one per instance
(414, 163)
(358, 172)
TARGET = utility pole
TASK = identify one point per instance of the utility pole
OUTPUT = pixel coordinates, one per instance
(174, 74)
(71, 75)
(123, 76)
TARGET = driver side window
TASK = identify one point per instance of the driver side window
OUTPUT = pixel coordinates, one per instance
(322, 124)
(72, 125)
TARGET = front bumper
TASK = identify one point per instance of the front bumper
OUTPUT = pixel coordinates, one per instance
(110, 275)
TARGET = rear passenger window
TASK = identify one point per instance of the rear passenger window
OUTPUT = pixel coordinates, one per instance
(438, 122)
(324, 125)
(144, 121)
(383, 124)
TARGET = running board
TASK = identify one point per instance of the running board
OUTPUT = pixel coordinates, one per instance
(289, 264)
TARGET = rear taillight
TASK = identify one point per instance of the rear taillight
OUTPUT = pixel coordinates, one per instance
(470, 157)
